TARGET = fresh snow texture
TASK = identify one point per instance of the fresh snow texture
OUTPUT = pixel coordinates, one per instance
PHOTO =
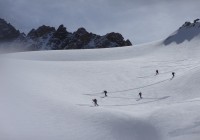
(47, 95)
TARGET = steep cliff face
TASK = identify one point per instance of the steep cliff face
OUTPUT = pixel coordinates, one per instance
(49, 38)
(7, 31)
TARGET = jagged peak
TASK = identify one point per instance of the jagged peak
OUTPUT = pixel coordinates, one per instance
(7, 31)
(187, 32)
(46, 37)
(189, 24)
(61, 33)
(41, 31)
(61, 28)
(81, 31)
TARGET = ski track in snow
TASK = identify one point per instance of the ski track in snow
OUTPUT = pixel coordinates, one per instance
(48, 95)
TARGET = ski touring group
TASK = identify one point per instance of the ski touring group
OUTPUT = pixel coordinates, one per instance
(105, 92)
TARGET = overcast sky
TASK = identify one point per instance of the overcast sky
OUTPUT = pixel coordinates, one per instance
(140, 21)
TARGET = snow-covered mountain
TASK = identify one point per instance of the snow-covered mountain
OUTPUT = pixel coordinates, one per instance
(49, 38)
(186, 32)
(47, 95)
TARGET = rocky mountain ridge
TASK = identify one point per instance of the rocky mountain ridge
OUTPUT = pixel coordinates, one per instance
(50, 38)
(187, 32)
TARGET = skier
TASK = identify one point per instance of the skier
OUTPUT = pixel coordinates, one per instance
(95, 102)
(157, 72)
(105, 92)
(173, 75)
(140, 94)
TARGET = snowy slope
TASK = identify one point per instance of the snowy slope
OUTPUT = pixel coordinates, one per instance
(186, 32)
(47, 95)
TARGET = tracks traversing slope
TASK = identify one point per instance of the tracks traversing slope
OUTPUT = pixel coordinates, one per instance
(148, 85)
(131, 89)
(161, 73)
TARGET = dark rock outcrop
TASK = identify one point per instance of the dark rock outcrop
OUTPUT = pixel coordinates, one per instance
(118, 38)
(7, 31)
(187, 32)
(49, 38)
(40, 32)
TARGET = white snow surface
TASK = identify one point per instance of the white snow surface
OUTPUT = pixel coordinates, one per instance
(47, 95)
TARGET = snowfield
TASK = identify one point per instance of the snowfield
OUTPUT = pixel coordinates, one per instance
(47, 95)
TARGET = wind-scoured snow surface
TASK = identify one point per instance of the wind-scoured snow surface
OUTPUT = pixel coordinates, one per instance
(47, 95)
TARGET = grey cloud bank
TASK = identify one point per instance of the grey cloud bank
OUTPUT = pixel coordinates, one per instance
(139, 20)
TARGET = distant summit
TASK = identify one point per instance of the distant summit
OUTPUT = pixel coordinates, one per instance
(186, 32)
(7, 31)
(50, 38)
